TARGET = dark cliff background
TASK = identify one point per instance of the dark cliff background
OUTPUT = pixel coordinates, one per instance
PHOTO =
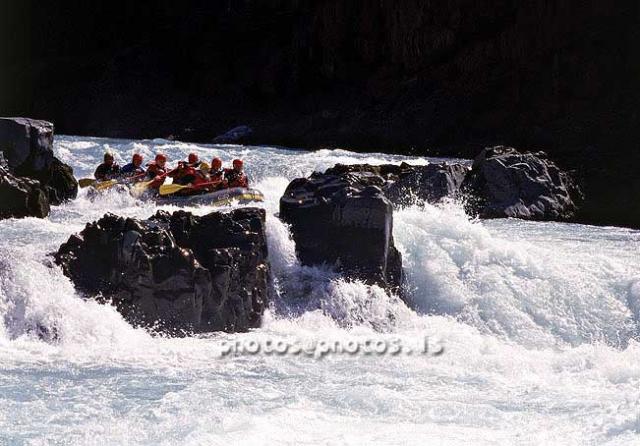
(429, 77)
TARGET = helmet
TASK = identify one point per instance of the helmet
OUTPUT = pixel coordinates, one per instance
(205, 167)
(161, 157)
(237, 163)
(216, 163)
(108, 156)
(137, 157)
(193, 158)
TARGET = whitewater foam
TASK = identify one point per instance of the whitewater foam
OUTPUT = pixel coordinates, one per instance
(539, 323)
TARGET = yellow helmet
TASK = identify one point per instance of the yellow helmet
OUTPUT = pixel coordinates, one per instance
(205, 166)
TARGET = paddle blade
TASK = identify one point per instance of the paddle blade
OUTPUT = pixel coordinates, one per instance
(86, 182)
(106, 184)
(168, 189)
(140, 188)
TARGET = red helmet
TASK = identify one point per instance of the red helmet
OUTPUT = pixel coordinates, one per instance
(193, 158)
(137, 157)
(237, 163)
(216, 163)
(161, 157)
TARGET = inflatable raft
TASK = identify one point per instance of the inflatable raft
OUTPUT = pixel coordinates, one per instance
(218, 198)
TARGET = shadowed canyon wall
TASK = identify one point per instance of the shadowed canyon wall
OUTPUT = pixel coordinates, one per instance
(429, 77)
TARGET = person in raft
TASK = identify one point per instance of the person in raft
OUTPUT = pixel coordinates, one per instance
(236, 177)
(217, 174)
(108, 169)
(134, 168)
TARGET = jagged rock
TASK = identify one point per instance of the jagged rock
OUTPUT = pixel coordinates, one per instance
(344, 220)
(405, 184)
(27, 145)
(506, 183)
(430, 183)
(233, 248)
(176, 272)
(20, 197)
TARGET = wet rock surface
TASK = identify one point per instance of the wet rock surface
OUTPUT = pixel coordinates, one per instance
(504, 182)
(178, 273)
(27, 147)
(405, 184)
(20, 196)
(344, 220)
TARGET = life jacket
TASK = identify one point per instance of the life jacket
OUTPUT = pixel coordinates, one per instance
(200, 178)
(154, 170)
(217, 176)
(183, 174)
(235, 178)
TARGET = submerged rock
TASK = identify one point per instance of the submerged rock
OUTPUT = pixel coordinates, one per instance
(27, 145)
(177, 272)
(234, 135)
(344, 220)
(506, 183)
(19, 196)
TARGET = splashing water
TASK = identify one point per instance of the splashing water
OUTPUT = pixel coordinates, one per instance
(539, 323)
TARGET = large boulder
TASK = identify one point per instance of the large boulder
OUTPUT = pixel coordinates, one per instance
(504, 182)
(20, 197)
(27, 145)
(178, 273)
(344, 219)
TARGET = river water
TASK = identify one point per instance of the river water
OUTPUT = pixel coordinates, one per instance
(533, 333)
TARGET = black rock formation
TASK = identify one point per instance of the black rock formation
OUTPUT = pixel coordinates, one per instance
(406, 184)
(344, 220)
(506, 183)
(20, 196)
(27, 146)
(430, 183)
(178, 273)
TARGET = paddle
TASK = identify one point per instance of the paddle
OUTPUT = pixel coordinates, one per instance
(168, 189)
(140, 187)
(105, 184)
(86, 182)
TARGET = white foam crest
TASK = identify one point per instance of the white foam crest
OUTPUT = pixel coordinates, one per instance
(526, 290)
(37, 301)
(302, 289)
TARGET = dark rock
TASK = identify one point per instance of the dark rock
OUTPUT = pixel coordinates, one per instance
(430, 183)
(20, 197)
(344, 220)
(405, 184)
(506, 183)
(175, 272)
(235, 135)
(27, 145)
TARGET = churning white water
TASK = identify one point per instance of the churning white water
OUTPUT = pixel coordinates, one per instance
(536, 326)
